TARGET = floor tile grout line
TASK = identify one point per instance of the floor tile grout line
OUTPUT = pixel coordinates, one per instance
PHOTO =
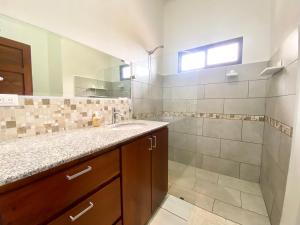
(241, 199)
(175, 214)
(219, 175)
(212, 212)
(241, 207)
(217, 214)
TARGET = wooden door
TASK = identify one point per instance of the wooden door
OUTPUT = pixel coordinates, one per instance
(15, 68)
(159, 167)
(136, 182)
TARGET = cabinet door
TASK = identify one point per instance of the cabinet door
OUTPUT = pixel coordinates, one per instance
(136, 182)
(159, 167)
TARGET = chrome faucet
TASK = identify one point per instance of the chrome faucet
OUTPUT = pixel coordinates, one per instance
(114, 115)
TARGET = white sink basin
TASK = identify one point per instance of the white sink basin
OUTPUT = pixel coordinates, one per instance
(128, 126)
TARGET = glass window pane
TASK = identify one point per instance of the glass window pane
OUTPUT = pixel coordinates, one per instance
(223, 54)
(126, 73)
(191, 61)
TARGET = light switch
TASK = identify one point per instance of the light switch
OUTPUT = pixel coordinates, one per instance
(9, 100)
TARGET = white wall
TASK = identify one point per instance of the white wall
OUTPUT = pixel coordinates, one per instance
(285, 19)
(80, 60)
(291, 207)
(193, 23)
(122, 28)
(38, 40)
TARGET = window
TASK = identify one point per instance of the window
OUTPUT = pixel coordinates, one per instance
(125, 72)
(214, 55)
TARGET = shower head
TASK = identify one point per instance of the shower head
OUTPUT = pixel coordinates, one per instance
(154, 50)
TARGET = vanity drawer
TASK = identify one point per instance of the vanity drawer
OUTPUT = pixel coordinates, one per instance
(102, 208)
(40, 201)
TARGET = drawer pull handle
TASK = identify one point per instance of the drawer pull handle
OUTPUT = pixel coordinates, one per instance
(1, 78)
(74, 218)
(88, 169)
(155, 139)
(151, 144)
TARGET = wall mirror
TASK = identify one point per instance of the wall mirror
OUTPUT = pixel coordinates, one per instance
(34, 61)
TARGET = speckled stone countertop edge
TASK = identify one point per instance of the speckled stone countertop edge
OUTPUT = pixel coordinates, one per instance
(12, 176)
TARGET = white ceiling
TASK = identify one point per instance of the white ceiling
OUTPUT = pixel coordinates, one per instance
(123, 28)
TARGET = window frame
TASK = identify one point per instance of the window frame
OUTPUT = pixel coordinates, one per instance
(121, 72)
(205, 48)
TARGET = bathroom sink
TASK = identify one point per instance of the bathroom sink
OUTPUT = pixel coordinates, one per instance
(128, 126)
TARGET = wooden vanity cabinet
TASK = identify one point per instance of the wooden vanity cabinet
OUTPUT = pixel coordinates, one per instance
(159, 168)
(136, 181)
(41, 201)
(144, 176)
(123, 186)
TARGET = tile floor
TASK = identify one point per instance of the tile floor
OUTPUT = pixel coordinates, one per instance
(210, 199)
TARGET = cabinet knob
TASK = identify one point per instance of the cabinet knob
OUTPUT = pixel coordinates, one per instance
(1, 78)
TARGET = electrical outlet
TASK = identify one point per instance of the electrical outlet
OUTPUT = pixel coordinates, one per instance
(9, 100)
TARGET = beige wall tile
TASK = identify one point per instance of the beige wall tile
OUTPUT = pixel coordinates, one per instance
(167, 93)
(185, 157)
(241, 185)
(272, 141)
(275, 216)
(241, 151)
(222, 166)
(249, 71)
(284, 83)
(210, 106)
(251, 106)
(249, 172)
(257, 88)
(209, 146)
(207, 175)
(281, 108)
(253, 131)
(284, 152)
(188, 92)
(214, 75)
(227, 90)
(221, 128)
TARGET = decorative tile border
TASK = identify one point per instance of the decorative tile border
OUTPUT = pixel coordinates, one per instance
(40, 115)
(144, 116)
(217, 116)
(283, 128)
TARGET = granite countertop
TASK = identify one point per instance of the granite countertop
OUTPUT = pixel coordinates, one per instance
(21, 158)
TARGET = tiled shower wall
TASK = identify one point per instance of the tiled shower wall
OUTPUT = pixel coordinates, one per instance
(40, 115)
(218, 122)
(280, 102)
(146, 93)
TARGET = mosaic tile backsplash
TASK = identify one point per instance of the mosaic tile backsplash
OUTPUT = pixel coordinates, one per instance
(40, 115)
